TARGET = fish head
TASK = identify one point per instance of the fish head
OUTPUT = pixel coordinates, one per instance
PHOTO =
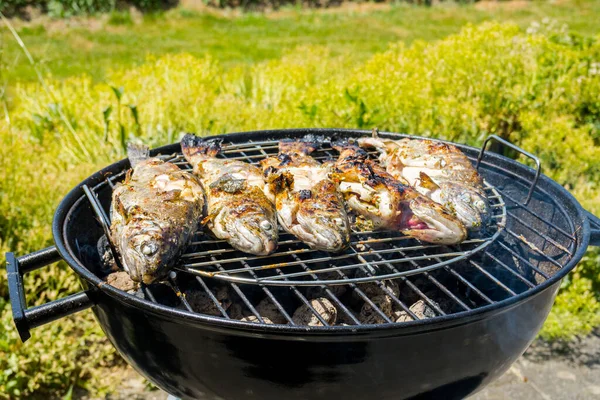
(145, 252)
(321, 218)
(429, 222)
(469, 205)
(249, 227)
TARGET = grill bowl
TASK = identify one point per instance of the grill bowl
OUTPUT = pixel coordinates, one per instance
(200, 356)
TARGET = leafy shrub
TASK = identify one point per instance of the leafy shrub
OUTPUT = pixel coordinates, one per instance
(67, 8)
(540, 89)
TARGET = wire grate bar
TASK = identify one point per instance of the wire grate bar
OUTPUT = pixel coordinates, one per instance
(333, 297)
(314, 260)
(548, 239)
(241, 294)
(534, 248)
(413, 287)
(530, 265)
(535, 214)
(512, 271)
(493, 278)
(210, 294)
(148, 293)
(180, 295)
(273, 299)
(469, 285)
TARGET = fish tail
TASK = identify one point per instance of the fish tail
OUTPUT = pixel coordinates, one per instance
(192, 145)
(305, 145)
(137, 153)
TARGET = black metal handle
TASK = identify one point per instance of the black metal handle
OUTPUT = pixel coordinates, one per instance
(29, 318)
(520, 150)
(594, 228)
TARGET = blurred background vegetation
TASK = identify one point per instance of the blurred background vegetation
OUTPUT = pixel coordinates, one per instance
(528, 71)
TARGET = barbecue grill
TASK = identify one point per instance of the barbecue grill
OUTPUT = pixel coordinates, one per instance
(414, 320)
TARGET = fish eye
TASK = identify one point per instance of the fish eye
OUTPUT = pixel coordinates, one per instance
(266, 225)
(149, 249)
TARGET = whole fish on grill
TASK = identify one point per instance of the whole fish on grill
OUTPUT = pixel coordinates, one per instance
(308, 203)
(388, 203)
(154, 213)
(238, 209)
(439, 171)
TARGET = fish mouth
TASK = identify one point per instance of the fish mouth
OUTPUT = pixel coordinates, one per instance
(255, 236)
(143, 268)
(321, 233)
(427, 222)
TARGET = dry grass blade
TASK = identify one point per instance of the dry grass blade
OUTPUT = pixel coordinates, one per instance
(62, 115)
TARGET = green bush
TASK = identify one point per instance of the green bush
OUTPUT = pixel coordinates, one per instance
(67, 8)
(540, 89)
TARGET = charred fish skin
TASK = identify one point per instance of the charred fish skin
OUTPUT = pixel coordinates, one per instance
(388, 203)
(308, 203)
(439, 171)
(154, 213)
(238, 209)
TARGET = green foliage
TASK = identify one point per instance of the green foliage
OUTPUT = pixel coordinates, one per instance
(540, 89)
(68, 8)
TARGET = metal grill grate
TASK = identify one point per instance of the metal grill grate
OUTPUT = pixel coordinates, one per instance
(521, 249)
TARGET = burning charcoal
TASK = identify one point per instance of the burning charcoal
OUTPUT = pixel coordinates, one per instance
(327, 311)
(121, 280)
(368, 315)
(421, 309)
(202, 303)
(268, 310)
(252, 318)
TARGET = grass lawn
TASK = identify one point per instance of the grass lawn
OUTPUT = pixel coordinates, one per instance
(94, 46)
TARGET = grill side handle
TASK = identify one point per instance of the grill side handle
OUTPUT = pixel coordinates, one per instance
(28, 318)
(538, 164)
(594, 228)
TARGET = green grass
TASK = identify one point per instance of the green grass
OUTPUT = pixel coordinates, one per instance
(251, 38)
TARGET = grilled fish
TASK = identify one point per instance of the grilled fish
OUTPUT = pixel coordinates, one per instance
(238, 209)
(308, 203)
(154, 213)
(389, 204)
(439, 171)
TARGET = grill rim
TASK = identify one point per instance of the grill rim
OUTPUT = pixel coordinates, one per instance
(562, 198)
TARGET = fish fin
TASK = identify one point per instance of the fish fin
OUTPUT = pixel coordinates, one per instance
(427, 182)
(229, 184)
(192, 145)
(137, 153)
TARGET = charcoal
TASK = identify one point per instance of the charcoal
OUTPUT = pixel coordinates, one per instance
(304, 315)
(266, 309)
(372, 289)
(368, 315)
(236, 311)
(252, 318)
(121, 280)
(314, 292)
(202, 303)
(421, 309)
